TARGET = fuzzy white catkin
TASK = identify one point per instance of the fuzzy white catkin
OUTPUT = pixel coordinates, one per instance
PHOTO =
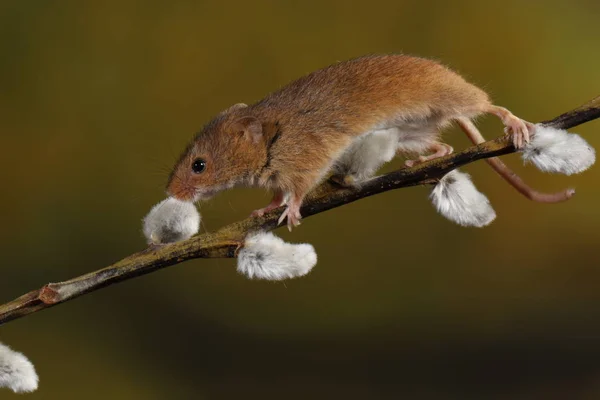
(556, 150)
(266, 256)
(17, 373)
(171, 220)
(457, 198)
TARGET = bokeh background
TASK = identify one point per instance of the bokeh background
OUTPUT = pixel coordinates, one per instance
(97, 99)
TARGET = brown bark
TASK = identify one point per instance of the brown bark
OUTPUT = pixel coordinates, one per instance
(226, 241)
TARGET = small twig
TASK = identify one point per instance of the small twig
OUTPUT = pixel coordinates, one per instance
(226, 241)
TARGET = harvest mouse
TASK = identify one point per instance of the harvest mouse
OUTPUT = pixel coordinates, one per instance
(290, 140)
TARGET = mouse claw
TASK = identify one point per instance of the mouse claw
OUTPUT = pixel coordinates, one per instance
(284, 214)
(293, 217)
(292, 223)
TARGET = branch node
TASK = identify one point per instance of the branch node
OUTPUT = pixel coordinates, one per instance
(49, 295)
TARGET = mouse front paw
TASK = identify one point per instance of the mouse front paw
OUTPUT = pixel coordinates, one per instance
(277, 201)
(292, 213)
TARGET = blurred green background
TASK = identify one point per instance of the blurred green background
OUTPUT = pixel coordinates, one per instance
(97, 99)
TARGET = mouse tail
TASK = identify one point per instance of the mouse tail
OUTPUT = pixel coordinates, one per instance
(507, 174)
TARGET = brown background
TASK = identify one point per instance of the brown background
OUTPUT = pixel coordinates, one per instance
(97, 99)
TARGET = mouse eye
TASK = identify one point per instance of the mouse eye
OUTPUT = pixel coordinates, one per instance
(198, 165)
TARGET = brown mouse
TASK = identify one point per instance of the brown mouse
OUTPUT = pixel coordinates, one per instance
(289, 141)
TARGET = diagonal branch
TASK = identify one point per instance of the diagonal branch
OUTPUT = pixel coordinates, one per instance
(226, 241)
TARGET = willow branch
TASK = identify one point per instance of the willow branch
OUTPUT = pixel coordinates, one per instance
(226, 241)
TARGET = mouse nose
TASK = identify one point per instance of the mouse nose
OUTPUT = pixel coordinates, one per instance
(181, 191)
(183, 195)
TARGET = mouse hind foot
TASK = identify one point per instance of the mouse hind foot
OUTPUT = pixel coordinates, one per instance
(515, 127)
(346, 181)
(439, 150)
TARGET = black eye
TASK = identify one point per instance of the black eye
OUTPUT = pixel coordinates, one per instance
(198, 165)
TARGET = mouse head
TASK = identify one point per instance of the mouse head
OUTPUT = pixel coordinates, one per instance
(228, 151)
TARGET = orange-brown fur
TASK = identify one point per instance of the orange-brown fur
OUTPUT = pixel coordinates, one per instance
(303, 127)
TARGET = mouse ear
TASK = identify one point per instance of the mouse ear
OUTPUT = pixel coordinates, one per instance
(250, 127)
(234, 107)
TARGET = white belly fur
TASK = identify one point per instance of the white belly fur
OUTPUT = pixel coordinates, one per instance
(368, 152)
